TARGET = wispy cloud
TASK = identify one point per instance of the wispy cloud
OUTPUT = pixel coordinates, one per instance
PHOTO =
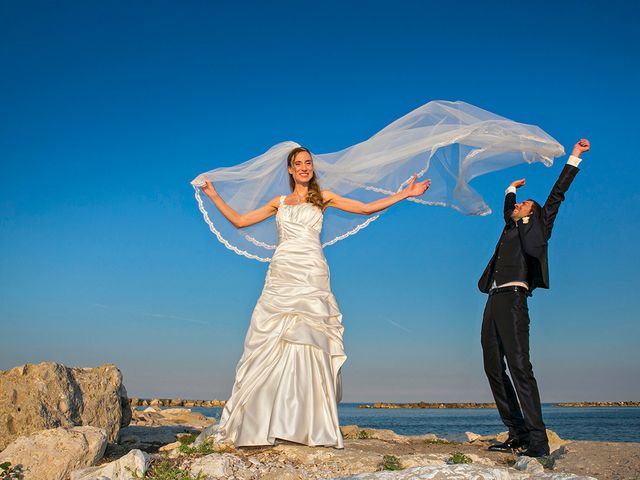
(175, 317)
(149, 314)
(397, 325)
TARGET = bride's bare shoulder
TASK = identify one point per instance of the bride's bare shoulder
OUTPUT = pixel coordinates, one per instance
(328, 195)
(275, 201)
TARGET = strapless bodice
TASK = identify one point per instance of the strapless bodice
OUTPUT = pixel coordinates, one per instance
(302, 221)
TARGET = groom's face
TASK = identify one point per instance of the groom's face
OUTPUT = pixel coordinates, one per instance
(521, 210)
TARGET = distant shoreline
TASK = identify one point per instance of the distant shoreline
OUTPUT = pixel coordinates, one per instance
(493, 405)
(599, 404)
(177, 402)
(428, 405)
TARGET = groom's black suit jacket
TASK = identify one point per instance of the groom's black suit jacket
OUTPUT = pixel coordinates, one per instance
(534, 235)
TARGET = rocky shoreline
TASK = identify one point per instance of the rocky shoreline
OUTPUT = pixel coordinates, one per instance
(168, 436)
(61, 423)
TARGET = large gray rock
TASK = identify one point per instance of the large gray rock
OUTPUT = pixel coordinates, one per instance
(219, 466)
(49, 395)
(463, 472)
(529, 465)
(133, 463)
(54, 454)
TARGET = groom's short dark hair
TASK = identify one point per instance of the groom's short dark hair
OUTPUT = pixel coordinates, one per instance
(536, 209)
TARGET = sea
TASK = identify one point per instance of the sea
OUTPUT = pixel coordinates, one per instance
(606, 424)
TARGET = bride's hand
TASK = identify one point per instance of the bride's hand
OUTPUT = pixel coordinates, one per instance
(416, 189)
(208, 189)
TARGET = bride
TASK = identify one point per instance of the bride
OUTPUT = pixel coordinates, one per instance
(287, 383)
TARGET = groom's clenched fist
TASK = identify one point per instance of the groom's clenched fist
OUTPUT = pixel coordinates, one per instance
(582, 146)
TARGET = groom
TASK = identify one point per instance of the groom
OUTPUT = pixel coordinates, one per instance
(518, 266)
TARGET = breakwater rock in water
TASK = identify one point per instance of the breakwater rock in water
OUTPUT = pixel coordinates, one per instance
(175, 402)
(429, 405)
(599, 404)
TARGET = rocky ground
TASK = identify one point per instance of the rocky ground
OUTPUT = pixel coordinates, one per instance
(160, 443)
(58, 423)
(603, 460)
(368, 450)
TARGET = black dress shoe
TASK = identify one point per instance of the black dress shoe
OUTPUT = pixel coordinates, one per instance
(509, 445)
(536, 451)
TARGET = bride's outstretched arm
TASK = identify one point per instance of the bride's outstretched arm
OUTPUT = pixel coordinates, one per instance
(354, 206)
(241, 220)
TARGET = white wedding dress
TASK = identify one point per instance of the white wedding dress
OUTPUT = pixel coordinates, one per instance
(287, 382)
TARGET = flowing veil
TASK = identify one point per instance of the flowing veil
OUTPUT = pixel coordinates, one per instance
(449, 142)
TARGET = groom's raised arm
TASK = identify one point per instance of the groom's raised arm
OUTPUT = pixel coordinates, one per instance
(510, 199)
(556, 197)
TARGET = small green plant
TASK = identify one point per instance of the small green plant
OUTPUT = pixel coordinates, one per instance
(390, 462)
(509, 461)
(205, 448)
(187, 439)
(7, 472)
(546, 462)
(363, 435)
(457, 458)
(167, 470)
(438, 441)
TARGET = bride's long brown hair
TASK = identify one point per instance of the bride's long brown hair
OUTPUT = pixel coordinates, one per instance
(314, 195)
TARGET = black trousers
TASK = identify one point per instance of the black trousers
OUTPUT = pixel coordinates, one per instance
(505, 334)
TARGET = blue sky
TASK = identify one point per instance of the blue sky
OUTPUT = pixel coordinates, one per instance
(110, 108)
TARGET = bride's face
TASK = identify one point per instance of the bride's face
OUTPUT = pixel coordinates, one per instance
(302, 167)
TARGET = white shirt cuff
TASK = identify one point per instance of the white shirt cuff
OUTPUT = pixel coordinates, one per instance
(574, 161)
(511, 189)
